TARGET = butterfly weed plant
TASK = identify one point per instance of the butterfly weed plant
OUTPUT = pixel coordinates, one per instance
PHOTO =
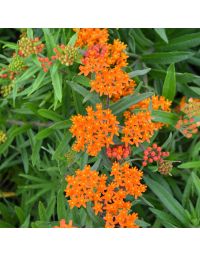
(99, 128)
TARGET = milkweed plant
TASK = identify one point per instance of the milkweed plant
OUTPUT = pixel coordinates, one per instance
(99, 128)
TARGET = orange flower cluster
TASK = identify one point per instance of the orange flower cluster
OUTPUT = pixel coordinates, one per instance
(66, 54)
(138, 128)
(106, 61)
(29, 46)
(64, 225)
(45, 63)
(91, 36)
(118, 152)
(158, 103)
(94, 131)
(113, 83)
(113, 55)
(108, 199)
(85, 186)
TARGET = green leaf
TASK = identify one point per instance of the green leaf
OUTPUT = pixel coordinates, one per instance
(126, 102)
(73, 39)
(38, 81)
(196, 182)
(94, 99)
(29, 73)
(49, 39)
(30, 33)
(168, 201)
(169, 86)
(166, 57)
(61, 205)
(56, 81)
(139, 72)
(51, 115)
(183, 42)
(193, 164)
(43, 133)
(42, 211)
(85, 81)
(165, 117)
(162, 33)
(12, 133)
(20, 214)
(166, 218)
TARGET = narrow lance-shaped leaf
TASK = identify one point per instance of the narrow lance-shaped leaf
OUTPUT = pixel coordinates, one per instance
(169, 86)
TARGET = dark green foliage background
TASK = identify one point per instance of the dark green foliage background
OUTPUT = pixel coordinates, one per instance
(36, 117)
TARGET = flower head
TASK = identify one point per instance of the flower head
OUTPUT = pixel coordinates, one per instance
(91, 36)
(138, 128)
(114, 83)
(95, 130)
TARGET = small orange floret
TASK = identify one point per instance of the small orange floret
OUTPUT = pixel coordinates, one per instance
(95, 130)
(64, 225)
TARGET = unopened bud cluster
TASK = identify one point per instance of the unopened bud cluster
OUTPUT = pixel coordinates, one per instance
(6, 90)
(118, 152)
(45, 63)
(7, 74)
(29, 46)
(187, 126)
(16, 64)
(70, 156)
(165, 167)
(3, 137)
(154, 154)
(192, 108)
(66, 54)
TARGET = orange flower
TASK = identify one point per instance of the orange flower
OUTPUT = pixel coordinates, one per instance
(91, 36)
(64, 225)
(108, 199)
(95, 59)
(94, 131)
(84, 186)
(113, 83)
(158, 103)
(138, 128)
(101, 56)
(117, 56)
(128, 178)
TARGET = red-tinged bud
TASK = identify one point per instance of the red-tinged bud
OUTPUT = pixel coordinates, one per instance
(144, 163)
(145, 158)
(153, 153)
(149, 149)
(155, 158)
(159, 149)
(146, 152)
(150, 160)
(154, 145)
